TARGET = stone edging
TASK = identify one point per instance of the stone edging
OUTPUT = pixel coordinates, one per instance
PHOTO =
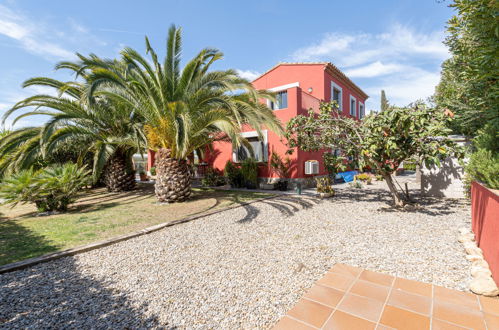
(93, 246)
(482, 282)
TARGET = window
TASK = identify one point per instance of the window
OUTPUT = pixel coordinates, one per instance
(362, 111)
(337, 94)
(258, 150)
(353, 106)
(281, 101)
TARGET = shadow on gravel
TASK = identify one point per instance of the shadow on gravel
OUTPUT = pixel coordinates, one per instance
(425, 205)
(58, 295)
(286, 205)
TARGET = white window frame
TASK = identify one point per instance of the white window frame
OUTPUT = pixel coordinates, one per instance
(265, 145)
(355, 106)
(284, 87)
(269, 103)
(362, 115)
(335, 85)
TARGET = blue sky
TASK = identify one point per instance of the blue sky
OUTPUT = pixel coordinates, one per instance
(388, 44)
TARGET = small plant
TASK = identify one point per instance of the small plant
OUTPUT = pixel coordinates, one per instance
(281, 168)
(213, 178)
(379, 177)
(324, 186)
(50, 189)
(233, 175)
(365, 177)
(153, 170)
(249, 169)
(356, 184)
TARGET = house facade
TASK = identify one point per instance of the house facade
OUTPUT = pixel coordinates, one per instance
(298, 87)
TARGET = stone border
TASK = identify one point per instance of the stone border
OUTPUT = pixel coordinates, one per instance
(482, 282)
(93, 246)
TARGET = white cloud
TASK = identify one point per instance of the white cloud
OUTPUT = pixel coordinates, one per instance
(401, 60)
(359, 48)
(373, 70)
(248, 74)
(29, 35)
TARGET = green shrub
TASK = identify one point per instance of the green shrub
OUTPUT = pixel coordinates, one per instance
(379, 177)
(249, 169)
(279, 166)
(233, 175)
(324, 185)
(212, 178)
(483, 166)
(50, 189)
(356, 184)
(153, 170)
(365, 177)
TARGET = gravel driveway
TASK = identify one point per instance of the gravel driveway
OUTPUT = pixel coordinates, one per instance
(242, 268)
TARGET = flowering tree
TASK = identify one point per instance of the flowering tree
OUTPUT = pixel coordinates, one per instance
(380, 141)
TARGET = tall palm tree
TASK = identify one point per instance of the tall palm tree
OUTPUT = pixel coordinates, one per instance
(105, 128)
(184, 110)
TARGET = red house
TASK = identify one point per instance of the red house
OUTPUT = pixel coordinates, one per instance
(299, 87)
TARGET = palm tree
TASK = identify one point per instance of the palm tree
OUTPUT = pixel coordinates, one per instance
(184, 110)
(104, 128)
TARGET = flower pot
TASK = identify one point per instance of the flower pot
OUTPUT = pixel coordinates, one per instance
(143, 177)
(326, 195)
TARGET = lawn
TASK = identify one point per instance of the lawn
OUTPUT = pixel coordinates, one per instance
(99, 215)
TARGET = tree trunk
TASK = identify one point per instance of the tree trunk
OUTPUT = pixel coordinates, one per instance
(397, 199)
(119, 176)
(173, 178)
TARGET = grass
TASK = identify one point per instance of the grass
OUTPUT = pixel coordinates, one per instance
(99, 215)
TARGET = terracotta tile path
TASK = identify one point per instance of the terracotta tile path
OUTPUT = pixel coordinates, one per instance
(352, 298)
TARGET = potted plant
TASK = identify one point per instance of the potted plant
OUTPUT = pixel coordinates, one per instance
(233, 175)
(249, 169)
(282, 169)
(324, 187)
(143, 175)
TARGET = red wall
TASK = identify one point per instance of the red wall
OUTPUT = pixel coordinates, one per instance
(485, 224)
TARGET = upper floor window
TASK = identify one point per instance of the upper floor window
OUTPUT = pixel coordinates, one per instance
(362, 111)
(337, 95)
(353, 106)
(281, 101)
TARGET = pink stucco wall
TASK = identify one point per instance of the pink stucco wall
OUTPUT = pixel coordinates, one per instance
(485, 224)
(314, 86)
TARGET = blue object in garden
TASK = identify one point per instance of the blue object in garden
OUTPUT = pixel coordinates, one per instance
(348, 176)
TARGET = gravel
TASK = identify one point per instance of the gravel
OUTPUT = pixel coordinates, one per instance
(242, 268)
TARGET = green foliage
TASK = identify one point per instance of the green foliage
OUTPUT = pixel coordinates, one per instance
(379, 177)
(483, 166)
(184, 109)
(280, 166)
(212, 178)
(333, 163)
(384, 102)
(50, 189)
(365, 177)
(88, 130)
(324, 185)
(380, 141)
(249, 170)
(469, 81)
(234, 175)
(356, 184)
(153, 170)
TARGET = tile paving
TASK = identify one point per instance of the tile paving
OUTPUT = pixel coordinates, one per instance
(352, 298)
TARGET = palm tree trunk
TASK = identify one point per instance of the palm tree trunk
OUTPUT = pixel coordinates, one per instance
(173, 178)
(118, 174)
